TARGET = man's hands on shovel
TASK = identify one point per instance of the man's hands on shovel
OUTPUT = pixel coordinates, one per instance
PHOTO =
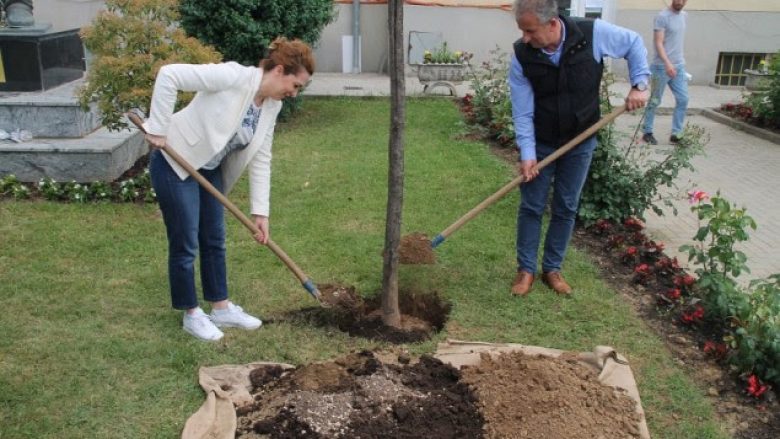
(635, 100)
(528, 169)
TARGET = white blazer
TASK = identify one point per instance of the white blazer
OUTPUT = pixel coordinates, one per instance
(203, 128)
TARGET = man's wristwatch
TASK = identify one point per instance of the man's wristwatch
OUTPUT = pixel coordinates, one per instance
(641, 86)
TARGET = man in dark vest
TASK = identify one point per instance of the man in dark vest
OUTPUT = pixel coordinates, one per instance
(554, 81)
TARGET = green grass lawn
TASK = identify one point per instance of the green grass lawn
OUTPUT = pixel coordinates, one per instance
(91, 348)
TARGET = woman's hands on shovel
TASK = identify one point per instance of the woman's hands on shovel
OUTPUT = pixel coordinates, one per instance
(156, 142)
(261, 222)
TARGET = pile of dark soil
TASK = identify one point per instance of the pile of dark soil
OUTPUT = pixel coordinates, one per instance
(359, 396)
(415, 249)
(365, 396)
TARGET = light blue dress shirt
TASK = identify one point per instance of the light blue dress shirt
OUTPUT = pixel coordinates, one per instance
(609, 40)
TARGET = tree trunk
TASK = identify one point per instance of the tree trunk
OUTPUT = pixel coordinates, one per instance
(391, 315)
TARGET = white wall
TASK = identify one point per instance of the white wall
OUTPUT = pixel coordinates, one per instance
(373, 31)
(66, 14)
(474, 30)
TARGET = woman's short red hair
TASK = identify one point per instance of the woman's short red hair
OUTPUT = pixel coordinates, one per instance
(293, 55)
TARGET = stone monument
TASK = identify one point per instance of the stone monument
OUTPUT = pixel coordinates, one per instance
(33, 57)
(18, 13)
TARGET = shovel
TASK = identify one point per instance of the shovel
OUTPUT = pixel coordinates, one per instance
(441, 237)
(305, 281)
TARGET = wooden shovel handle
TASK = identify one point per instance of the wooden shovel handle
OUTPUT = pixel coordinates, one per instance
(511, 185)
(307, 283)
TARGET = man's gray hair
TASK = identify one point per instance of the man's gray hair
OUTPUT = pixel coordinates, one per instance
(545, 10)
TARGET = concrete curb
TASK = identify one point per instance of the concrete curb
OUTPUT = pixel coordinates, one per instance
(742, 126)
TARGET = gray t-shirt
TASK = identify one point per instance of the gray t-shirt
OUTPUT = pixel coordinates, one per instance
(673, 26)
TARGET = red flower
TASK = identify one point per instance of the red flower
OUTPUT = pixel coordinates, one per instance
(673, 294)
(685, 280)
(693, 316)
(631, 251)
(697, 196)
(755, 387)
(642, 269)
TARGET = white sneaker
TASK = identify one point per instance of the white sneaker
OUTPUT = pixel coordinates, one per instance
(199, 325)
(234, 317)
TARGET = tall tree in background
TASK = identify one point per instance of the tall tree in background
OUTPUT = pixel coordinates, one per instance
(242, 29)
(391, 315)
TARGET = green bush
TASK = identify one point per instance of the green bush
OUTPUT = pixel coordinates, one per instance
(766, 104)
(751, 317)
(720, 263)
(490, 108)
(130, 41)
(242, 29)
(625, 182)
(132, 189)
(755, 333)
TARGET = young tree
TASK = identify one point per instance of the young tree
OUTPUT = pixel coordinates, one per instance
(391, 315)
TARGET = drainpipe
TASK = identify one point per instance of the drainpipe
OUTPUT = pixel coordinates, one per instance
(355, 36)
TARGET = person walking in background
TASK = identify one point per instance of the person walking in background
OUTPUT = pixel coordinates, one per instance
(554, 78)
(227, 126)
(668, 68)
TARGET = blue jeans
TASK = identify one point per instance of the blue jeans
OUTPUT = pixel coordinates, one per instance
(567, 175)
(679, 86)
(194, 220)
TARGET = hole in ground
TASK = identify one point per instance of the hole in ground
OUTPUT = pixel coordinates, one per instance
(422, 314)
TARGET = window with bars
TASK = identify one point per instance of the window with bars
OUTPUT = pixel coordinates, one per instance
(731, 67)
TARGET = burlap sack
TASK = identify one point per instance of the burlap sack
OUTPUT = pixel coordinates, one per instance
(228, 386)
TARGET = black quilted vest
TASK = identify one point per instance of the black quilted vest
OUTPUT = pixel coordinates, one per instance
(566, 97)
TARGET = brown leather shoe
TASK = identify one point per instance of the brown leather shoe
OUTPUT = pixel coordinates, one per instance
(521, 286)
(554, 280)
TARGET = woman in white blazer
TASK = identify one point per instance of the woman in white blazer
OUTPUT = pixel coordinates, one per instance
(227, 127)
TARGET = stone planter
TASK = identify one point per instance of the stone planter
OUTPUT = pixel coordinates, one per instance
(756, 81)
(441, 72)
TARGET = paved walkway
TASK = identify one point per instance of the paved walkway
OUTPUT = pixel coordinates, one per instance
(745, 168)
